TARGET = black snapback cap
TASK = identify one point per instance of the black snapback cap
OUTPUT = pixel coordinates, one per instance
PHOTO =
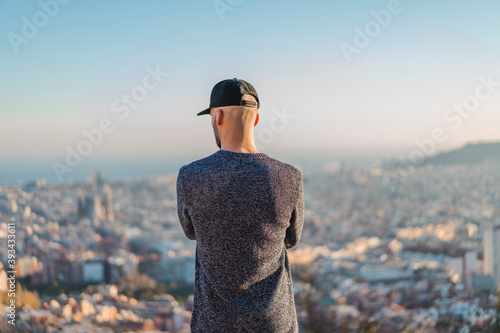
(229, 92)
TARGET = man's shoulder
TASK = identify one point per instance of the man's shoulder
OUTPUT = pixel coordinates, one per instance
(196, 166)
(285, 166)
(283, 169)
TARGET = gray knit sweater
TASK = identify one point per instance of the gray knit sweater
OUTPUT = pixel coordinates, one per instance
(244, 211)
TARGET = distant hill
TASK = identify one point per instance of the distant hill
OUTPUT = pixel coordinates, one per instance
(469, 154)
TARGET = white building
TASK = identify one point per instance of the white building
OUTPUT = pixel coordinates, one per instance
(93, 271)
(471, 267)
(387, 273)
(470, 262)
(491, 242)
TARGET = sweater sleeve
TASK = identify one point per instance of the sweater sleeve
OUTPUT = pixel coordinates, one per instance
(182, 208)
(294, 231)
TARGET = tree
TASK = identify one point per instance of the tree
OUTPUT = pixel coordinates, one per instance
(139, 286)
(367, 326)
(23, 297)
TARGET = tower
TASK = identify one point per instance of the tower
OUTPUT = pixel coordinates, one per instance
(96, 181)
(491, 244)
(108, 203)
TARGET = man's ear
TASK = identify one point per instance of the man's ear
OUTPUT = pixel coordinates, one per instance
(256, 120)
(219, 116)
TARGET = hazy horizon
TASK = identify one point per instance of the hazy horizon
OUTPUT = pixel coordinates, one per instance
(25, 169)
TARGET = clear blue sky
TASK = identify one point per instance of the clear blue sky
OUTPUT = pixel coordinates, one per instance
(395, 91)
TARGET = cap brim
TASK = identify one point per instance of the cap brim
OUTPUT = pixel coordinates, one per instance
(206, 111)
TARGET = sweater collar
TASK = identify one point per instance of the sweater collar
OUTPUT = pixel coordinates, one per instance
(227, 153)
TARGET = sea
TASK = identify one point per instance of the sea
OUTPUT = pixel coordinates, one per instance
(23, 170)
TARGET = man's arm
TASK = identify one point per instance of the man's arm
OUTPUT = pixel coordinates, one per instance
(182, 209)
(294, 231)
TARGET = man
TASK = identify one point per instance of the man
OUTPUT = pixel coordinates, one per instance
(244, 209)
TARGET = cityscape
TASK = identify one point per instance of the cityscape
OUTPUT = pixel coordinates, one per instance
(389, 109)
(419, 254)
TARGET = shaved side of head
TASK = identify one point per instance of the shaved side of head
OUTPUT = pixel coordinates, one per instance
(235, 123)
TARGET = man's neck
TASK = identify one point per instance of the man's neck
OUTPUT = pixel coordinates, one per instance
(240, 148)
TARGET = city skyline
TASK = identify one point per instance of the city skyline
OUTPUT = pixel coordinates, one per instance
(420, 255)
